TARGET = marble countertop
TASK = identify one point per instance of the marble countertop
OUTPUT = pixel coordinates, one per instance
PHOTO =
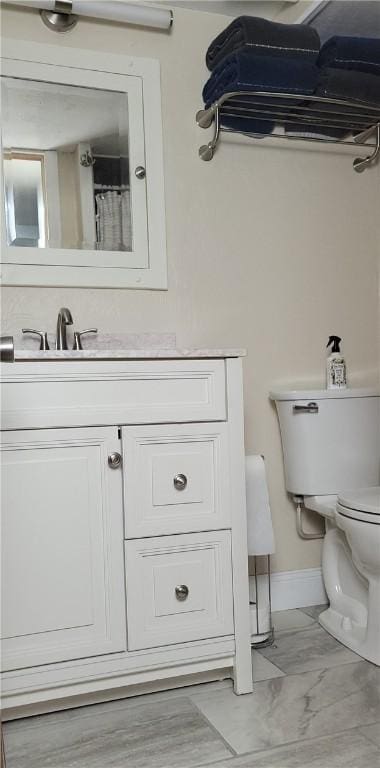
(125, 354)
(124, 346)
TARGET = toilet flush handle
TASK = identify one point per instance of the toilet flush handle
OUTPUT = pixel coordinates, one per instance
(309, 408)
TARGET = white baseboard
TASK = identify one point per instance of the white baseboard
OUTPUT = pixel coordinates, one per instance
(297, 589)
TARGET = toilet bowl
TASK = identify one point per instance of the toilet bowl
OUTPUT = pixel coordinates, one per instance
(351, 571)
(331, 441)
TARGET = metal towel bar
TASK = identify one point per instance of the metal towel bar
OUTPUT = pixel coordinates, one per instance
(359, 122)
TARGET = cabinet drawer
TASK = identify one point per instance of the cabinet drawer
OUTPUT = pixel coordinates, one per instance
(81, 393)
(179, 588)
(175, 479)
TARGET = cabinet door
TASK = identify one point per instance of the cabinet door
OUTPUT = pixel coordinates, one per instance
(62, 546)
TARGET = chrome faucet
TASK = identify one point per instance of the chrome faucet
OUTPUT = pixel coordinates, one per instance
(64, 319)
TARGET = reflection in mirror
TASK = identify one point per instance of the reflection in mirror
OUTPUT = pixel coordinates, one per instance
(24, 199)
(66, 169)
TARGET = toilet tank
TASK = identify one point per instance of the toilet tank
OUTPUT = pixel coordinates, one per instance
(330, 439)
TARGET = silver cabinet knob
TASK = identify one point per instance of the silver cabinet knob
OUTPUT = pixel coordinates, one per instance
(114, 460)
(44, 344)
(140, 172)
(181, 592)
(180, 482)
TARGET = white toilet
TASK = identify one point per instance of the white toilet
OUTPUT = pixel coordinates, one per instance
(331, 448)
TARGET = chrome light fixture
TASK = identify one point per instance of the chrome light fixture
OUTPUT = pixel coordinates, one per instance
(62, 15)
(61, 19)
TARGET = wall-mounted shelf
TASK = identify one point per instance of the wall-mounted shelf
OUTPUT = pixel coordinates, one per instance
(358, 124)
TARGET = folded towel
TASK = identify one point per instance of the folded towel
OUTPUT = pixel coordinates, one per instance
(357, 87)
(359, 53)
(311, 131)
(257, 126)
(245, 72)
(264, 37)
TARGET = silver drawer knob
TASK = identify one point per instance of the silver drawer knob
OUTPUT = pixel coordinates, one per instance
(180, 482)
(114, 460)
(181, 592)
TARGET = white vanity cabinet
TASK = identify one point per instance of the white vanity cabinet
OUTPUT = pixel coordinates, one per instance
(124, 547)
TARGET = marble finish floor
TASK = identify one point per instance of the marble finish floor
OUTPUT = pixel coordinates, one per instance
(315, 704)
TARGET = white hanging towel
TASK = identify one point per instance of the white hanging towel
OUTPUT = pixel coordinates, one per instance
(114, 225)
(259, 519)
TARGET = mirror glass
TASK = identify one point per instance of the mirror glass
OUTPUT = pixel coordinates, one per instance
(66, 169)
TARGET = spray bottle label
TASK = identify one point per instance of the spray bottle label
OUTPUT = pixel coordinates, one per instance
(338, 374)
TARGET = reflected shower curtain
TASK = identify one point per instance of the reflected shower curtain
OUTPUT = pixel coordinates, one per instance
(113, 221)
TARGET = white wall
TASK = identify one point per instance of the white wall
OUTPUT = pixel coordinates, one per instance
(270, 248)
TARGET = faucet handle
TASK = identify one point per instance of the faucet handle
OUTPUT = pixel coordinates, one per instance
(44, 344)
(77, 337)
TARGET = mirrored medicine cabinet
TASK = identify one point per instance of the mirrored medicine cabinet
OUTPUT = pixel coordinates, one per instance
(82, 170)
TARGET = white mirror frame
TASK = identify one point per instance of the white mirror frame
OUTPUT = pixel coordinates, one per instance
(36, 267)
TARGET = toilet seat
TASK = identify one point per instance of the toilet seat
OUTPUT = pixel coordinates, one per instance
(362, 505)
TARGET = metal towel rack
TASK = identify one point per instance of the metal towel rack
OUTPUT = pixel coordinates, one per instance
(358, 122)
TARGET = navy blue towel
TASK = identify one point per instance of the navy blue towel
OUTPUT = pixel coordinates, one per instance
(359, 53)
(244, 72)
(258, 126)
(264, 38)
(359, 88)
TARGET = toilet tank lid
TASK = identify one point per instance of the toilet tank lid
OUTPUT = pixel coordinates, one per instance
(364, 500)
(321, 394)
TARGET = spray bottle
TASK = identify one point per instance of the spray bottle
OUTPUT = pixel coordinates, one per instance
(335, 365)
